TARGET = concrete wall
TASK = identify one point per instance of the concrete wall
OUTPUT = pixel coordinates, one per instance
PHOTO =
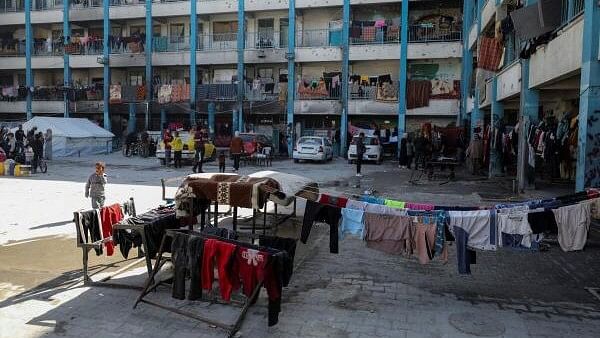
(318, 107)
(38, 107)
(509, 82)
(372, 107)
(559, 58)
(488, 13)
(473, 36)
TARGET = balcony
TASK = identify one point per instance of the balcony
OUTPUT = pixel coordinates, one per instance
(322, 89)
(216, 92)
(571, 9)
(47, 99)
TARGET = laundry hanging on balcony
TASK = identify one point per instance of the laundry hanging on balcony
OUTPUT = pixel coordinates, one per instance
(115, 94)
(490, 54)
(418, 93)
(164, 94)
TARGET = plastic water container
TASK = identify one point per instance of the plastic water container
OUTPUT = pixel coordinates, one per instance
(17, 170)
(1, 168)
(11, 169)
(25, 170)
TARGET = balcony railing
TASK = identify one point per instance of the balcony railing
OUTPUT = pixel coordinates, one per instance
(216, 92)
(571, 9)
(11, 6)
(319, 38)
(265, 39)
(433, 33)
(171, 44)
(52, 93)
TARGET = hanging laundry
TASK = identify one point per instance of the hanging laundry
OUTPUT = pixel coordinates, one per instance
(115, 94)
(352, 222)
(573, 223)
(372, 199)
(490, 54)
(419, 206)
(394, 204)
(387, 233)
(418, 93)
(333, 200)
(315, 212)
(110, 216)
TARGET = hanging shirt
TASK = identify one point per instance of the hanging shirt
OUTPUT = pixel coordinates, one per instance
(372, 199)
(352, 204)
(395, 204)
(315, 212)
(387, 233)
(352, 222)
(478, 225)
(573, 223)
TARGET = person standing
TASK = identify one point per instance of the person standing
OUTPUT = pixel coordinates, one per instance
(167, 142)
(410, 151)
(199, 142)
(94, 188)
(177, 146)
(37, 145)
(360, 152)
(235, 148)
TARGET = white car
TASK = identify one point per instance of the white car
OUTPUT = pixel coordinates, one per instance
(374, 150)
(313, 148)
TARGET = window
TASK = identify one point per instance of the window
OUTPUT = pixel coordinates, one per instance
(265, 73)
(225, 31)
(137, 29)
(176, 32)
(283, 32)
(156, 31)
(116, 31)
(136, 78)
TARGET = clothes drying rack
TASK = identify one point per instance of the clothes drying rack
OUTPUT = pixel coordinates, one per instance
(87, 247)
(150, 285)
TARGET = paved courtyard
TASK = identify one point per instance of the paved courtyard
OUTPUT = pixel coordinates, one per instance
(358, 293)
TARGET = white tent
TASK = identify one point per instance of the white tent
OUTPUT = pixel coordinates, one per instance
(71, 137)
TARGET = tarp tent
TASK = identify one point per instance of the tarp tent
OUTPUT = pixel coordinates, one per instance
(72, 136)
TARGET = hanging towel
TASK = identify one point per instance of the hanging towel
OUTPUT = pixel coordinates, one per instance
(394, 204)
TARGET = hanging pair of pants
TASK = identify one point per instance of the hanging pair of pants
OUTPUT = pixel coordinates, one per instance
(187, 254)
(222, 253)
(236, 161)
(177, 159)
(199, 158)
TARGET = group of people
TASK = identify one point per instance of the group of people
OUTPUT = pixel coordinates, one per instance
(26, 147)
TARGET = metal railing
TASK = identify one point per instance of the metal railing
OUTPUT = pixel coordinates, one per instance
(12, 48)
(217, 92)
(433, 33)
(571, 9)
(370, 35)
(319, 38)
(261, 92)
(170, 44)
(358, 92)
(264, 39)
(220, 41)
(11, 6)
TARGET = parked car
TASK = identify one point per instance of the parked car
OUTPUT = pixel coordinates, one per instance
(374, 151)
(187, 155)
(313, 148)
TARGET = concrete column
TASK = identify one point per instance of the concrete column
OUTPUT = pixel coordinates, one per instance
(345, 76)
(467, 61)
(497, 115)
(402, 107)
(132, 119)
(529, 107)
(211, 120)
(291, 57)
(241, 45)
(28, 45)
(66, 66)
(235, 121)
(148, 51)
(163, 117)
(106, 67)
(588, 151)
(193, 72)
